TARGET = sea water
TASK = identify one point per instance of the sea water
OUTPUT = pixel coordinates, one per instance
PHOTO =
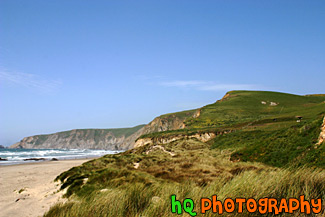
(17, 156)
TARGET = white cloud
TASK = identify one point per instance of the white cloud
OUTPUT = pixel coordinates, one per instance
(207, 85)
(30, 81)
(227, 87)
(182, 83)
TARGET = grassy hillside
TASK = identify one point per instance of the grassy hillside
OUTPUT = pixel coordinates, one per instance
(267, 154)
(250, 110)
(139, 182)
(293, 146)
(248, 106)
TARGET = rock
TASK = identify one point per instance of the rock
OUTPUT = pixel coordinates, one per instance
(136, 165)
(196, 114)
(54, 159)
(273, 104)
(35, 159)
(155, 199)
(1, 146)
(2, 159)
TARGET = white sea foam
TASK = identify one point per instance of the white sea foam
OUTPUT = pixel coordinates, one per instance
(17, 156)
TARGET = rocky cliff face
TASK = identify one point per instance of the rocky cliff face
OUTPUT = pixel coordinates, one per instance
(111, 139)
(167, 122)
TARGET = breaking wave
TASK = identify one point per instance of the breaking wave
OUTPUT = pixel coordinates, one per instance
(18, 156)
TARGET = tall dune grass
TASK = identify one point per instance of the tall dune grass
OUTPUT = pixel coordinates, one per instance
(132, 200)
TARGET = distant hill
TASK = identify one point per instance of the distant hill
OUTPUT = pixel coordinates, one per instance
(112, 139)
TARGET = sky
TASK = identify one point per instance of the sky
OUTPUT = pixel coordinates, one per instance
(109, 64)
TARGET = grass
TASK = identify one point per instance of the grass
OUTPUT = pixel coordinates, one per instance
(139, 199)
(244, 110)
(115, 188)
(21, 190)
(280, 148)
(191, 159)
(246, 106)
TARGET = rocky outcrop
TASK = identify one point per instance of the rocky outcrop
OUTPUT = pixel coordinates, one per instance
(1, 146)
(225, 97)
(167, 122)
(110, 139)
(321, 137)
(197, 113)
(204, 137)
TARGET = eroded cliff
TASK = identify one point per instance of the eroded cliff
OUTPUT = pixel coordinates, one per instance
(203, 137)
(112, 139)
(172, 121)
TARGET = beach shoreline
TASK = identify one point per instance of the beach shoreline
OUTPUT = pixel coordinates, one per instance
(29, 189)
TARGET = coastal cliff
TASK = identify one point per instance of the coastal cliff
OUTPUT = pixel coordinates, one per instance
(167, 122)
(112, 139)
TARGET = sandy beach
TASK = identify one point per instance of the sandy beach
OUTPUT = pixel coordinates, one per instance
(29, 189)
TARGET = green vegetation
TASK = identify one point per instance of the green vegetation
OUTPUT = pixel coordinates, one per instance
(125, 131)
(283, 147)
(21, 190)
(266, 153)
(245, 110)
(246, 106)
(112, 186)
(40, 139)
(177, 162)
(140, 200)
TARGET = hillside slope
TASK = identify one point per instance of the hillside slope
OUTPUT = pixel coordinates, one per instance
(247, 106)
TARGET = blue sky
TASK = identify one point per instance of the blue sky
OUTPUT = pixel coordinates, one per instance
(107, 64)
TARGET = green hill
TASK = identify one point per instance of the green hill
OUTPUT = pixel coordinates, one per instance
(260, 144)
(250, 110)
(267, 127)
(247, 106)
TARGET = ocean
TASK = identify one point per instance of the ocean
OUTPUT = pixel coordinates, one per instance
(19, 156)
